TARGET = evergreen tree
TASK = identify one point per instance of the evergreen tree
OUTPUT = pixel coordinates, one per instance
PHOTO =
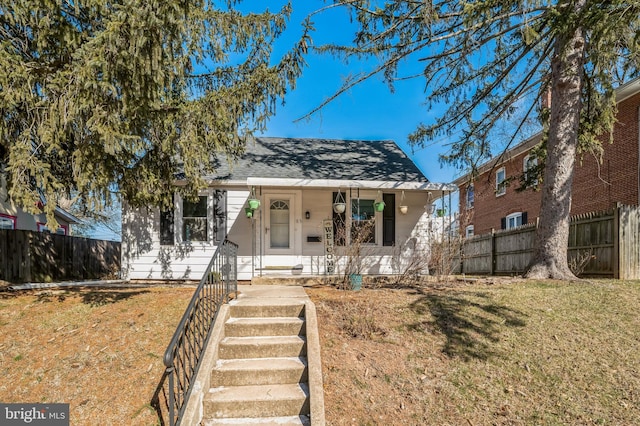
(482, 59)
(125, 94)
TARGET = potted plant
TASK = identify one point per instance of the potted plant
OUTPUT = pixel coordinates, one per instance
(248, 211)
(403, 207)
(339, 205)
(356, 253)
(379, 204)
(254, 203)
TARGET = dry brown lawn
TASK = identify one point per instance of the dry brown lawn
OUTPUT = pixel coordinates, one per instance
(100, 350)
(501, 352)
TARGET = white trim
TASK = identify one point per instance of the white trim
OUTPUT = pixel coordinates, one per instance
(7, 218)
(338, 183)
(178, 219)
(469, 231)
(66, 216)
(515, 217)
(295, 235)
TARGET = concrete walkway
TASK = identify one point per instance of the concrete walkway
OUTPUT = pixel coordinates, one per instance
(257, 328)
(266, 294)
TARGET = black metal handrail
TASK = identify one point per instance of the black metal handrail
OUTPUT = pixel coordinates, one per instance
(184, 353)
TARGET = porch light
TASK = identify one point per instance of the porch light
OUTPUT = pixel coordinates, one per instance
(307, 215)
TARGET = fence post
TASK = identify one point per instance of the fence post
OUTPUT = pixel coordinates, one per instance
(461, 255)
(492, 270)
(616, 243)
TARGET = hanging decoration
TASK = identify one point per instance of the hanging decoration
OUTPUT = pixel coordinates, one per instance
(379, 204)
(403, 207)
(254, 203)
(339, 205)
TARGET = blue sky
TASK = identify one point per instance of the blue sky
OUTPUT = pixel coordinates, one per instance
(369, 111)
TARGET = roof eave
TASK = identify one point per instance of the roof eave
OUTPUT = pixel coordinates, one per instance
(339, 183)
(66, 216)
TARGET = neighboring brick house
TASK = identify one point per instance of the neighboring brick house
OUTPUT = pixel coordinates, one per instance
(485, 204)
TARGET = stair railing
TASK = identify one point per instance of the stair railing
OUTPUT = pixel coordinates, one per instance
(184, 354)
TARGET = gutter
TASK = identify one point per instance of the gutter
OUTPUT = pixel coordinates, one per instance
(339, 183)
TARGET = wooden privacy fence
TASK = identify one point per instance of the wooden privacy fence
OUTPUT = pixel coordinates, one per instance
(28, 256)
(604, 244)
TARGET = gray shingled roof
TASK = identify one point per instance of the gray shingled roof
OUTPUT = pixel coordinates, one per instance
(297, 158)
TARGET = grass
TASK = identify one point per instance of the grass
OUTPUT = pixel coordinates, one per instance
(516, 353)
(98, 350)
(507, 353)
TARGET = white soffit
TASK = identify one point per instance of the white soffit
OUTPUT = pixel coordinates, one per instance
(365, 184)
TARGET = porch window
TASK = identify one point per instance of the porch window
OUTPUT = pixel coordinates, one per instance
(363, 221)
(194, 220)
(279, 213)
(7, 221)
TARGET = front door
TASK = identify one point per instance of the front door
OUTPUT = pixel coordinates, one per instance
(280, 223)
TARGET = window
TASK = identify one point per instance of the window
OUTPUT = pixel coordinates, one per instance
(470, 196)
(201, 220)
(62, 229)
(363, 222)
(279, 217)
(468, 231)
(7, 221)
(166, 225)
(514, 220)
(195, 223)
(528, 169)
(501, 186)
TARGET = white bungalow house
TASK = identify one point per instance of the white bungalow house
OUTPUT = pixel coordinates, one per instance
(310, 192)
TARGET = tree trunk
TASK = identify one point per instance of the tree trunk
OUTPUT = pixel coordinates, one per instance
(552, 235)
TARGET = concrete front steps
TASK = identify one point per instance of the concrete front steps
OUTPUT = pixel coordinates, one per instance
(261, 375)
